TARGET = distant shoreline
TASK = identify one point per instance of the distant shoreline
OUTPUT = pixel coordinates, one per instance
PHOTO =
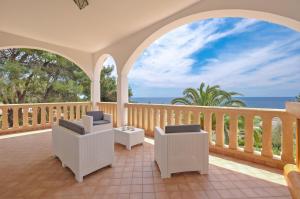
(252, 102)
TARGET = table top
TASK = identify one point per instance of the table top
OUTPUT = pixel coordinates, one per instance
(129, 131)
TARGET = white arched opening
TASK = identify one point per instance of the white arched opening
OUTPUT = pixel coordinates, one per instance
(96, 87)
(269, 17)
(150, 37)
(51, 51)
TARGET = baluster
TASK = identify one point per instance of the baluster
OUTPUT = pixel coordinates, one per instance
(25, 116)
(71, 112)
(287, 139)
(43, 116)
(267, 136)
(233, 138)
(5, 118)
(51, 115)
(219, 129)
(58, 112)
(15, 117)
(65, 114)
(129, 115)
(109, 107)
(249, 133)
(89, 107)
(135, 113)
(83, 110)
(196, 115)
(144, 116)
(104, 108)
(34, 116)
(140, 117)
(149, 123)
(207, 124)
(77, 112)
(155, 118)
(189, 117)
(114, 115)
(186, 115)
(162, 118)
(177, 116)
(169, 116)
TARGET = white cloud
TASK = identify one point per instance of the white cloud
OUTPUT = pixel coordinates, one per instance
(167, 63)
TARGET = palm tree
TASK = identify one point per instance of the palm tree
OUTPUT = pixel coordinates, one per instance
(208, 96)
(298, 98)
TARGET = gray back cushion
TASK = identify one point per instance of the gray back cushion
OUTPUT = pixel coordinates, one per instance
(97, 115)
(72, 126)
(100, 122)
(182, 128)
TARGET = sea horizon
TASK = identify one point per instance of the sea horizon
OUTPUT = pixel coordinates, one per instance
(251, 102)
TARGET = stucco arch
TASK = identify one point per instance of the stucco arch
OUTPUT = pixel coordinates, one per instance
(100, 62)
(150, 37)
(82, 59)
(51, 51)
(96, 87)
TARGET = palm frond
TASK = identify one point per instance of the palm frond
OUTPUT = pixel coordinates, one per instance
(181, 100)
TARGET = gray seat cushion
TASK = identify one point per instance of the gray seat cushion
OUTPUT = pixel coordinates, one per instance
(71, 126)
(182, 128)
(97, 115)
(99, 122)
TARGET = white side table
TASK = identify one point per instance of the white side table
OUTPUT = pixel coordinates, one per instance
(129, 138)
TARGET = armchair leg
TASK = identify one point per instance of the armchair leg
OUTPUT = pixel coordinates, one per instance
(165, 175)
(79, 178)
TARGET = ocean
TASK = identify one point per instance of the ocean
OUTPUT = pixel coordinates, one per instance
(252, 102)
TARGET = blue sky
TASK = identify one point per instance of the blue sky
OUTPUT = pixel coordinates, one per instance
(249, 56)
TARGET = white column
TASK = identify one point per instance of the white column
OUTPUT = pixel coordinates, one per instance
(95, 89)
(122, 99)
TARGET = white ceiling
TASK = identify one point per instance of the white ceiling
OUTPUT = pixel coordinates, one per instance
(100, 24)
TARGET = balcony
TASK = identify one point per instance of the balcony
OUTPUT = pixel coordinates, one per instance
(29, 170)
(123, 30)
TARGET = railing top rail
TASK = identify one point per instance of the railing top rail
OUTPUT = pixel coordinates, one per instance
(41, 104)
(106, 102)
(210, 108)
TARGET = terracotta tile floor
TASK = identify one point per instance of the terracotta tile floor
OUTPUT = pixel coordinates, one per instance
(28, 170)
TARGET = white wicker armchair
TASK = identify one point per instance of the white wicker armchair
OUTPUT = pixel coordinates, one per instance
(89, 123)
(180, 152)
(83, 154)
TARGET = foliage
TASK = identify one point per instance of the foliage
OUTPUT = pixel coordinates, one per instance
(108, 84)
(298, 98)
(35, 76)
(214, 96)
(208, 96)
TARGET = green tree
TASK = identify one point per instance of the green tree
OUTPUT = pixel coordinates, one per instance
(298, 98)
(108, 84)
(208, 96)
(214, 96)
(35, 76)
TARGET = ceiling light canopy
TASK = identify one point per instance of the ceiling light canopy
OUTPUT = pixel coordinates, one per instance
(81, 3)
